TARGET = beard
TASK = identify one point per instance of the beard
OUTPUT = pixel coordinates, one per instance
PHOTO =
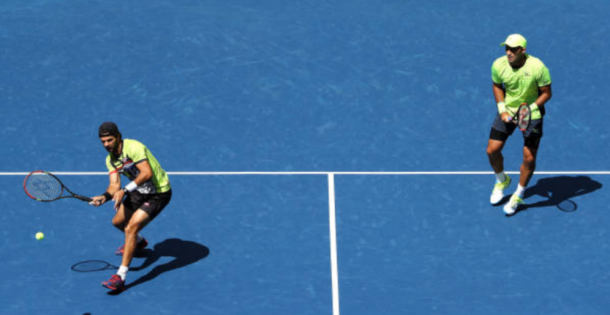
(114, 150)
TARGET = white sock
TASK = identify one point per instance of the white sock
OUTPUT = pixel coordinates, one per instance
(520, 190)
(500, 177)
(122, 272)
(138, 238)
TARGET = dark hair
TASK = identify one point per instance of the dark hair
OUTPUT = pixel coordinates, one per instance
(109, 129)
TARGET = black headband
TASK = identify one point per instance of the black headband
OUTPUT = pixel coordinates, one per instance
(109, 129)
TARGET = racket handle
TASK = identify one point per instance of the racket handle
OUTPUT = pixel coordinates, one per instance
(83, 198)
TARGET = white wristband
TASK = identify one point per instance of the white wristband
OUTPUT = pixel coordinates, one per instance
(131, 186)
(501, 108)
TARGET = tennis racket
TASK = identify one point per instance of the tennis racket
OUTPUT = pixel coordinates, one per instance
(44, 186)
(522, 117)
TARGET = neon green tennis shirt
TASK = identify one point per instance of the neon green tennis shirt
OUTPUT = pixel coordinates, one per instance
(135, 152)
(521, 84)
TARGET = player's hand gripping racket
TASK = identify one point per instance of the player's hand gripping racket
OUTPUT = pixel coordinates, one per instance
(44, 186)
(522, 117)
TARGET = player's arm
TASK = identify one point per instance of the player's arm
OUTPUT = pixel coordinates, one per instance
(113, 187)
(144, 175)
(498, 90)
(545, 95)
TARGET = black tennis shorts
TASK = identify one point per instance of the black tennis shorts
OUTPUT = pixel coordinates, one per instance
(501, 130)
(152, 204)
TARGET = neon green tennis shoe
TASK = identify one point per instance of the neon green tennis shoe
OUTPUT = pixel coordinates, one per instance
(513, 204)
(498, 193)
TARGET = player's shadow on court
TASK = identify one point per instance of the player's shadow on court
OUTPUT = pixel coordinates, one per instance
(183, 252)
(559, 191)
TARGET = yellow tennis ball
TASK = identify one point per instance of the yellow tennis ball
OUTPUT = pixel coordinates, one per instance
(39, 236)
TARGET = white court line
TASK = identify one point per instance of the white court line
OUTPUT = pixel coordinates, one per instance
(327, 173)
(334, 270)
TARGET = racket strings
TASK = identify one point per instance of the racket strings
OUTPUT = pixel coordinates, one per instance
(524, 117)
(43, 186)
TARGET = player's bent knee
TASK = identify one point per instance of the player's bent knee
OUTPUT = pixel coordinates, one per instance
(530, 160)
(116, 222)
(132, 229)
(492, 151)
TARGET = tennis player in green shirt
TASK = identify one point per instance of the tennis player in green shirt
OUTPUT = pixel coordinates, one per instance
(138, 202)
(517, 78)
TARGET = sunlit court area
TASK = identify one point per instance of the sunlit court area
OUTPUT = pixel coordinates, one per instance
(324, 158)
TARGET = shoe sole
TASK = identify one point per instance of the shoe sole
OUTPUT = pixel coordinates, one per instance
(519, 206)
(114, 289)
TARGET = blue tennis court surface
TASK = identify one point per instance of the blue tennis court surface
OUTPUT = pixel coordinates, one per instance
(406, 249)
(318, 87)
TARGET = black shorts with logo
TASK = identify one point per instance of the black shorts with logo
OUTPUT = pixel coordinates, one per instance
(501, 130)
(152, 204)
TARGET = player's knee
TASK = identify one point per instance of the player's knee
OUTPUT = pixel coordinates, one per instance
(529, 160)
(117, 222)
(131, 229)
(529, 157)
(493, 151)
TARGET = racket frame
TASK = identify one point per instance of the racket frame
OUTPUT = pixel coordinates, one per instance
(63, 187)
(517, 118)
(520, 119)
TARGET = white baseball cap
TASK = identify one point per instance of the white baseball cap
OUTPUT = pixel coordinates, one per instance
(515, 40)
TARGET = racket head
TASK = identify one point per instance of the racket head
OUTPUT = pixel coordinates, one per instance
(525, 116)
(43, 186)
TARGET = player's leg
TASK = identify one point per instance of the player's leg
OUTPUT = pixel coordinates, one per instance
(149, 207)
(500, 131)
(494, 154)
(124, 214)
(531, 142)
(529, 164)
(136, 223)
(148, 211)
(116, 283)
(119, 218)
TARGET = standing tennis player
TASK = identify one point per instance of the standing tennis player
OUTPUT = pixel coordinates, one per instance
(138, 202)
(517, 78)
